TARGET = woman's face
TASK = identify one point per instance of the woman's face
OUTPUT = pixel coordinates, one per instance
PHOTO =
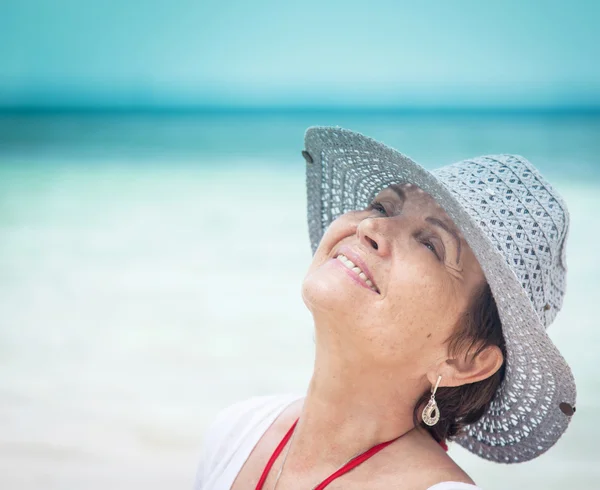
(422, 275)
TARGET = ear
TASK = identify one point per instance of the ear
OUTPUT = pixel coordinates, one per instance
(467, 369)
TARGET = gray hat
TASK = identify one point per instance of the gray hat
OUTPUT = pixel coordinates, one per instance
(517, 225)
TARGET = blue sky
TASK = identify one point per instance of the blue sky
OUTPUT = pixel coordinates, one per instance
(157, 53)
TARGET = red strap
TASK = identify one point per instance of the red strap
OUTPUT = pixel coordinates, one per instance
(274, 456)
(350, 465)
(353, 463)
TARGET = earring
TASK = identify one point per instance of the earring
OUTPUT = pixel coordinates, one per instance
(431, 412)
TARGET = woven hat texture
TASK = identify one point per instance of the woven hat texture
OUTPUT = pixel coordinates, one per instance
(517, 225)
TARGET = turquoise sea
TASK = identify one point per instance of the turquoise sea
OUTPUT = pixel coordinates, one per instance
(150, 272)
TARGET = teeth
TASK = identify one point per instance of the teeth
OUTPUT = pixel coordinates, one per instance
(348, 263)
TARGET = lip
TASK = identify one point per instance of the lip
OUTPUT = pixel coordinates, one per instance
(355, 258)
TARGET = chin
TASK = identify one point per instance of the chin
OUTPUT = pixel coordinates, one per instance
(322, 291)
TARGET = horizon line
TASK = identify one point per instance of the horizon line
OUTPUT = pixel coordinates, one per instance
(296, 109)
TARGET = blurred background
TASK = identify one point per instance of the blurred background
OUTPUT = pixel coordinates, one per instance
(152, 205)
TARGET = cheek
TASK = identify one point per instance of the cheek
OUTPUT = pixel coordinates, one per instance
(338, 229)
(420, 283)
(422, 303)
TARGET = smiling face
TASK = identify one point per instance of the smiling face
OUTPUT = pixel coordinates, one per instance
(392, 281)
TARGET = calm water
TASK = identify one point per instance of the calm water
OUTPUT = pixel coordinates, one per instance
(150, 272)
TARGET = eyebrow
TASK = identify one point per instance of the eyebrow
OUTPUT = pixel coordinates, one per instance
(447, 229)
(399, 192)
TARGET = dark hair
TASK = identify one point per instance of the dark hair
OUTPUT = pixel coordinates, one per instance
(479, 328)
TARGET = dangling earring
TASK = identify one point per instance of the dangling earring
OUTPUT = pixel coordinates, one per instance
(431, 412)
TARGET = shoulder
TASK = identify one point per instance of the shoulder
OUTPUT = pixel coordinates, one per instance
(237, 419)
(239, 415)
(428, 466)
(445, 474)
(453, 485)
(233, 425)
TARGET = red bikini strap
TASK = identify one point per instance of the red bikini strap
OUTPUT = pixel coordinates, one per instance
(274, 456)
(350, 465)
(353, 463)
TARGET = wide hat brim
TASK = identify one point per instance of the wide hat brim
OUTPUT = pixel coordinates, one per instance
(532, 407)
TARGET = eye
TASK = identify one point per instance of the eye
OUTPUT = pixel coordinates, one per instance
(377, 206)
(431, 247)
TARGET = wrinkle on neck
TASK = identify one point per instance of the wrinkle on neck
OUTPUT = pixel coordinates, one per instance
(349, 408)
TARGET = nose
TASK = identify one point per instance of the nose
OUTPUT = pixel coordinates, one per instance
(370, 234)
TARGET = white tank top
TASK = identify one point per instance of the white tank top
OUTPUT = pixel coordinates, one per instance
(237, 429)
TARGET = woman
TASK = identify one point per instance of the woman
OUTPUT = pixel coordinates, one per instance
(430, 294)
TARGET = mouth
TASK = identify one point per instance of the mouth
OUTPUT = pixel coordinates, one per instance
(360, 274)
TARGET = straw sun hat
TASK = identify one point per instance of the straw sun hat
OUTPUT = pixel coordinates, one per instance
(517, 225)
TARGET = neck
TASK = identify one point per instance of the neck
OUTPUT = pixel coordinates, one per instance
(349, 408)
